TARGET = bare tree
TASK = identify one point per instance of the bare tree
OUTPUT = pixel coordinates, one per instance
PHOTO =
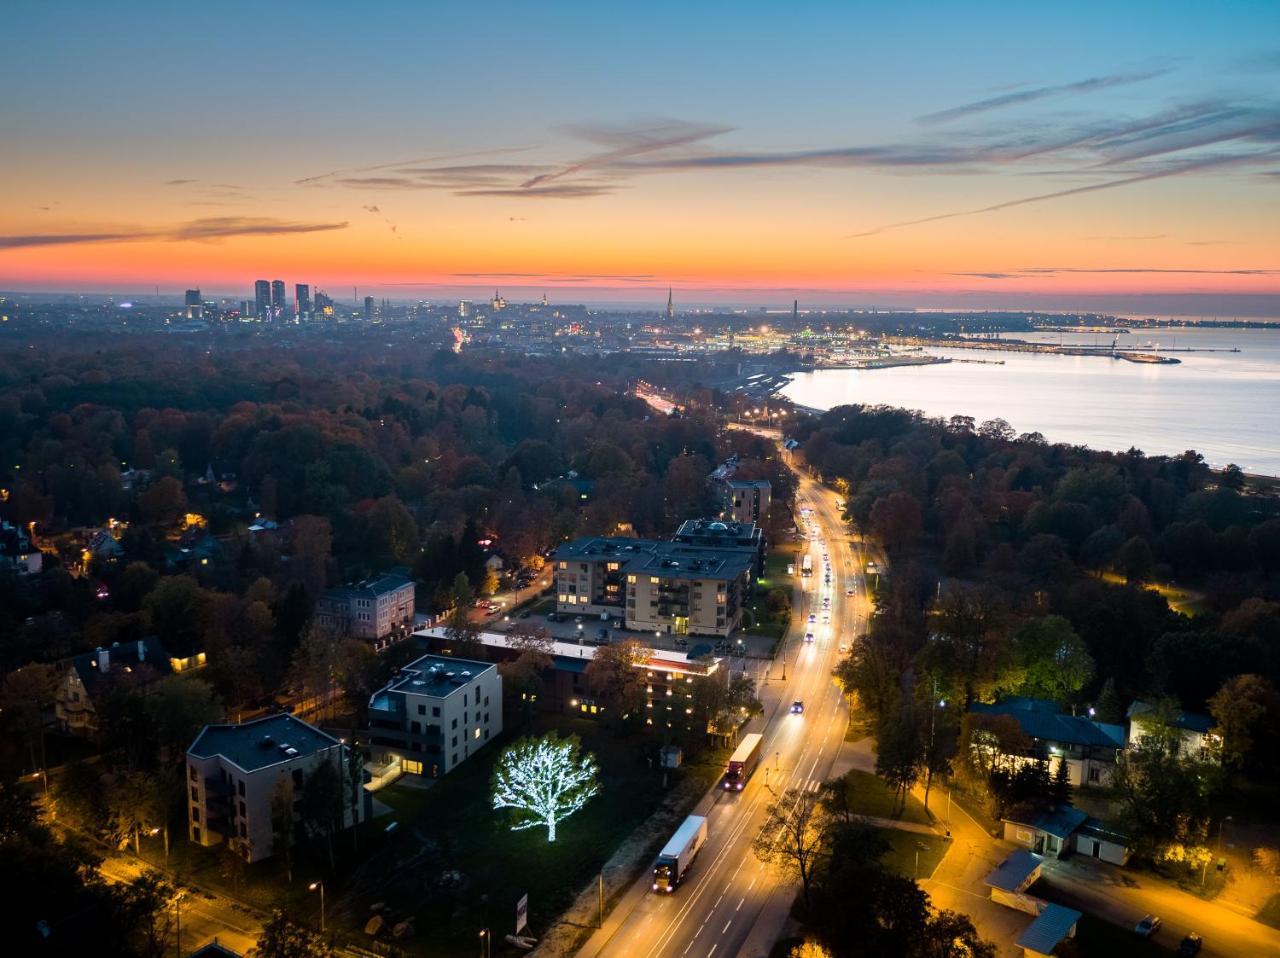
(792, 835)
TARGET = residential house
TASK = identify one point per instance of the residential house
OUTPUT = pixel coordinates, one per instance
(1046, 832)
(1195, 730)
(16, 551)
(85, 677)
(237, 776)
(434, 713)
(1010, 880)
(1089, 748)
(379, 610)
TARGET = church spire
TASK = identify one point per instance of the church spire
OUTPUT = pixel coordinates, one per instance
(671, 306)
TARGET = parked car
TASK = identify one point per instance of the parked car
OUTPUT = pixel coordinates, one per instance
(1148, 926)
(1191, 945)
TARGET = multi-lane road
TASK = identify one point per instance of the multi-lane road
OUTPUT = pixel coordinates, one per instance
(729, 898)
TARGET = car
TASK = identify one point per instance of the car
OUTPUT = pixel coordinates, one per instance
(797, 707)
(844, 648)
(849, 591)
(1191, 945)
(1148, 926)
(808, 636)
(826, 620)
(812, 618)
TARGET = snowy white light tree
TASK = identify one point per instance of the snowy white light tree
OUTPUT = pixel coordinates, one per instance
(544, 780)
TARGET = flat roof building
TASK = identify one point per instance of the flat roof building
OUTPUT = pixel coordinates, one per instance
(434, 713)
(239, 776)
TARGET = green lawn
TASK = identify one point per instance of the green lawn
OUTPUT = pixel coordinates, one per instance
(871, 796)
(775, 577)
(455, 866)
(904, 848)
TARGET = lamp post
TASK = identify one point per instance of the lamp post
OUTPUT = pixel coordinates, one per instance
(177, 921)
(313, 887)
(485, 947)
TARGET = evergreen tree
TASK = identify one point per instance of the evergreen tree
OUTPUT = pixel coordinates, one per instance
(1060, 788)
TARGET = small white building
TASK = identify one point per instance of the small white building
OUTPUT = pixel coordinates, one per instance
(235, 771)
(1199, 740)
(434, 714)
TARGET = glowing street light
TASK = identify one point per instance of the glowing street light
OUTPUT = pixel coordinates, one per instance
(313, 887)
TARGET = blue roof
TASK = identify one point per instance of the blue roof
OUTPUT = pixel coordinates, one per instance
(1011, 873)
(1038, 719)
(1191, 721)
(1050, 929)
(1059, 821)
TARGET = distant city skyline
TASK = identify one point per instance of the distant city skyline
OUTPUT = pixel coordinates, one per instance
(970, 156)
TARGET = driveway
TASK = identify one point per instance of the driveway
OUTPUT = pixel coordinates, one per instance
(1122, 896)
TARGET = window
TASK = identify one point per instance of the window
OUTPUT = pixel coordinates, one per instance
(243, 811)
(454, 725)
(422, 710)
(244, 830)
(466, 719)
(435, 711)
(297, 778)
(194, 776)
(195, 794)
(477, 695)
(454, 743)
(240, 787)
(477, 735)
(486, 705)
(486, 718)
(195, 834)
(1095, 775)
(455, 759)
(195, 814)
(415, 727)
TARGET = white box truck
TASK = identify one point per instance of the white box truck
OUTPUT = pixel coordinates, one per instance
(678, 854)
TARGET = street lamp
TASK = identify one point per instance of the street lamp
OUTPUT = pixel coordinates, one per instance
(485, 939)
(312, 887)
(177, 921)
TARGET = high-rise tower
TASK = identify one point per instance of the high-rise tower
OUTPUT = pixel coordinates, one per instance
(671, 305)
(261, 299)
(277, 299)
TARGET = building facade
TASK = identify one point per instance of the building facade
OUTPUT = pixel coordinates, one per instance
(242, 778)
(672, 587)
(1088, 748)
(85, 677)
(380, 611)
(749, 499)
(434, 714)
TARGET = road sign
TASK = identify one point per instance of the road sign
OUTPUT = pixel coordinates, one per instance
(522, 913)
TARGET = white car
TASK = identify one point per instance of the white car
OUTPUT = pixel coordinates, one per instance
(812, 618)
(844, 648)
(808, 636)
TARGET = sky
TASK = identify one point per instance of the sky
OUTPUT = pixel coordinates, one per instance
(1055, 155)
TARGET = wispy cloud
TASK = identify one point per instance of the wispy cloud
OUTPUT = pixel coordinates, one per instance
(1034, 272)
(201, 230)
(626, 142)
(1020, 97)
(557, 191)
(179, 182)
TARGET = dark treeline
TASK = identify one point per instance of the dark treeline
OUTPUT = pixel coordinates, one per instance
(1018, 568)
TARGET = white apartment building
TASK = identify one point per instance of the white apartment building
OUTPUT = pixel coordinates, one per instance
(434, 714)
(234, 771)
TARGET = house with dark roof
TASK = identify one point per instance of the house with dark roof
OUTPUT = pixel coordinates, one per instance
(16, 551)
(86, 677)
(1199, 739)
(1088, 748)
(241, 778)
(1046, 831)
(1054, 925)
(379, 610)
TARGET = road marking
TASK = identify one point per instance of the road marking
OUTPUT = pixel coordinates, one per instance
(740, 902)
(726, 926)
(713, 949)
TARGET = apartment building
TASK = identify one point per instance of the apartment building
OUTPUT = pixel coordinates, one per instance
(723, 534)
(749, 499)
(380, 610)
(673, 587)
(236, 772)
(434, 713)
